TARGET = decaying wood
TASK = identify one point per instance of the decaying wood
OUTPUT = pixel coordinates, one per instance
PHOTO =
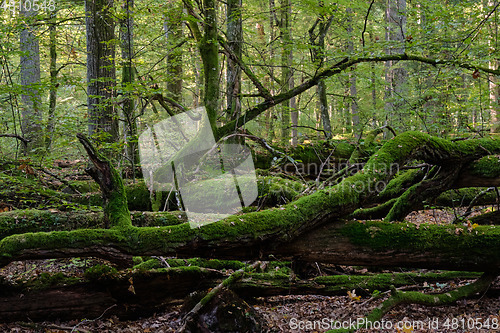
(153, 290)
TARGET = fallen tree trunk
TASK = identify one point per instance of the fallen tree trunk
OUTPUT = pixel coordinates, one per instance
(32, 220)
(141, 293)
(276, 231)
(354, 243)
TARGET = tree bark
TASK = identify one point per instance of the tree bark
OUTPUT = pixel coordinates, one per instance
(101, 76)
(235, 43)
(395, 77)
(53, 80)
(173, 34)
(286, 64)
(127, 48)
(210, 56)
(31, 123)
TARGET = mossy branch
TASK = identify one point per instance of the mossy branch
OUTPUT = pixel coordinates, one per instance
(414, 297)
(428, 190)
(338, 68)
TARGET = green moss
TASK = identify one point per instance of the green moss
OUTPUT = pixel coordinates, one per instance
(100, 273)
(199, 262)
(46, 280)
(376, 212)
(406, 236)
(400, 182)
(160, 219)
(278, 190)
(85, 186)
(488, 166)
(384, 281)
(31, 220)
(28, 192)
(403, 205)
(138, 196)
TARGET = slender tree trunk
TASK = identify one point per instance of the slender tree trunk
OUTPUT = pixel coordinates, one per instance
(127, 48)
(31, 124)
(235, 42)
(317, 41)
(198, 80)
(353, 91)
(323, 108)
(492, 79)
(53, 80)
(209, 51)
(294, 113)
(173, 34)
(286, 71)
(270, 116)
(374, 95)
(395, 77)
(101, 76)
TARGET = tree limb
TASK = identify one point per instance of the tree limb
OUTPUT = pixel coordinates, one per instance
(337, 68)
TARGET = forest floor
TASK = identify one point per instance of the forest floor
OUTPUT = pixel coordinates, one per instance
(313, 314)
(293, 313)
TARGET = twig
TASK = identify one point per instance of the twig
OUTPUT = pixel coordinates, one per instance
(309, 127)
(323, 165)
(64, 181)
(162, 261)
(366, 20)
(472, 203)
(18, 137)
(92, 320)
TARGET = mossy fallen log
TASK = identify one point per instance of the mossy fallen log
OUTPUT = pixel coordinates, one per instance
(33, 220)
(126, 295)
(140, 292)
(276, 231)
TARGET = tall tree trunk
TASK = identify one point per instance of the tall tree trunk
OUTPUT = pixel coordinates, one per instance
(270, 116)
(235, 41)
(353, 92)
(492, 79)
(395, 16)
(317, 41)
(294, 113)
(286, 63)
(323, 108)
(209, 51)
(53, 80)
(127, 48)
(173, 34)
(31, 125)
(101, 76)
